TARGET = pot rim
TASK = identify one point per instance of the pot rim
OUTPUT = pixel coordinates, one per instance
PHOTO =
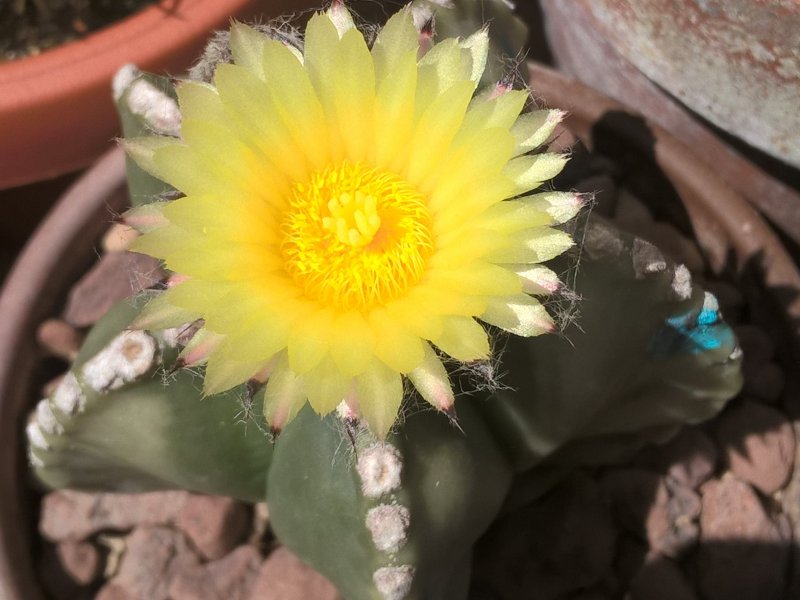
(65, 90)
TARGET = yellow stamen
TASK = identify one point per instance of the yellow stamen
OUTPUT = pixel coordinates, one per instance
(355, 237)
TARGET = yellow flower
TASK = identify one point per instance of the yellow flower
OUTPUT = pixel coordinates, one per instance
(346, 210)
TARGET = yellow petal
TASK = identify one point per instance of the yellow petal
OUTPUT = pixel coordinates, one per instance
(463, 339)
(440, 69)
(284, 395)
(248, 101)
(380, 392)
(159, 313)
(394, 114)
(532, 246)
(478, 46)
(326, 386)
(435, 131)
(478, 278)
(309, 340)
(536, 279)
(222, 373)
(513, 215)
(431, 381)
(394, 42)
(200, 101)
(501, 111)
(528, 172)
(296, 102)
(520, 315)
(352, 343)
(247, 47)
(354, 87)
(395, 346)
(534, 128)
(561, 206)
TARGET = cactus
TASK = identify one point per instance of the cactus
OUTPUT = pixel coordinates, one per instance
(385, 510)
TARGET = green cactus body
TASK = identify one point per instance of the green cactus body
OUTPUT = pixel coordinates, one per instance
(444, 487)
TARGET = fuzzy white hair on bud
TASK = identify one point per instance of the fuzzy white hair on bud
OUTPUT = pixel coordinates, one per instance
(388, 524)
(379, 467)
(47, 419)
(394, 583)
(69, 397)
(129, 356)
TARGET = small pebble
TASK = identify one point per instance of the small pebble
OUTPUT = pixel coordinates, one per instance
(757, 443)
(116, 276)
(59, 339)
(283, 576)
(742, 553)
(81, 560)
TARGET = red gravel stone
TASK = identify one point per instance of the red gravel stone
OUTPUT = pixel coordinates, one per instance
(690, 458)
(81, 561)
(59, 339)
(230, 578)
(70, 515)
(284, 577)
(153, 557)
(116, 276)
(742, 553)
(758, 444)
(214, 524)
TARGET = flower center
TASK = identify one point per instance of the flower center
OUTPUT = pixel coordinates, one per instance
(354, 218)
(354, 237)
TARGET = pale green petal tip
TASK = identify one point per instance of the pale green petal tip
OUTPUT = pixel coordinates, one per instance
(247, 47)
(143, 151)
(340, 17)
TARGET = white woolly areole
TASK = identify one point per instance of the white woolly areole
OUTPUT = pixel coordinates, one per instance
(682, 283)
(68, 397)
(123, 78)
(159, 110)
(379, 467)
(710, 302)
(394, 583)
(35, 436)
(129, 356)
(34, 460)
(172, 336)
(388, 525)
(46, 418)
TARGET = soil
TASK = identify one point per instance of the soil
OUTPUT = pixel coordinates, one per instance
(28, 27)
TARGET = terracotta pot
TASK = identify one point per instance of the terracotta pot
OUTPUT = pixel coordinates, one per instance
(64, 243)
(56, 111)
(603, 44)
